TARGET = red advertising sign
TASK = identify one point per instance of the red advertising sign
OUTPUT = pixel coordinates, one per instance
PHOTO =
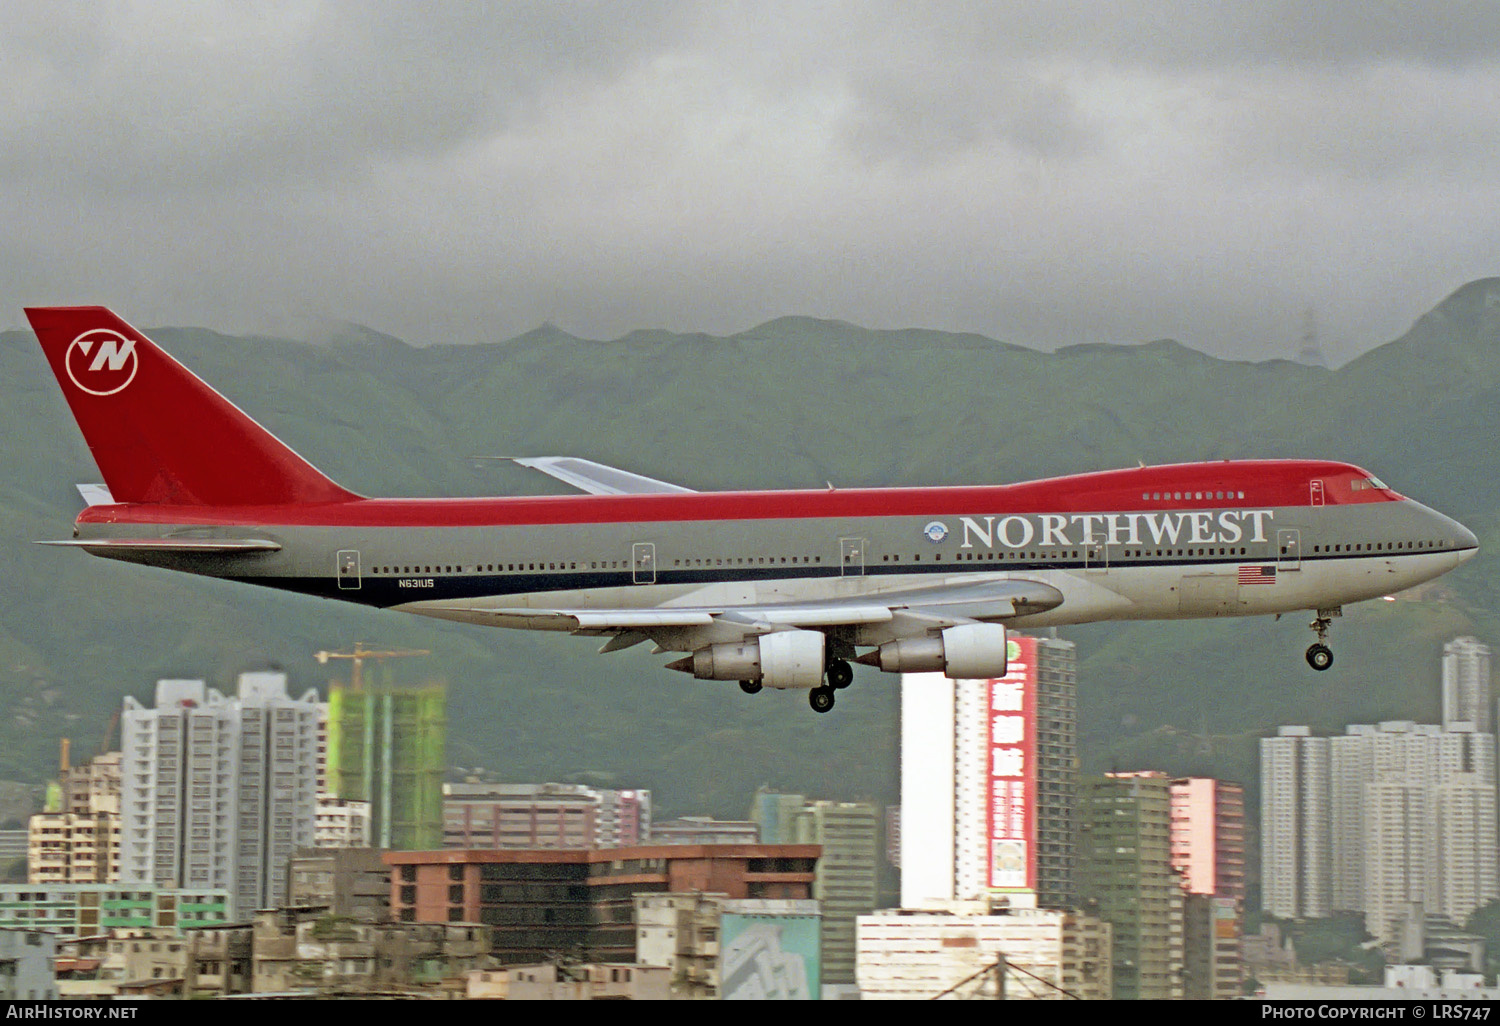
(1011, 748)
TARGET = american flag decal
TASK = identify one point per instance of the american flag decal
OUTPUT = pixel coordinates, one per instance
(1257, 575)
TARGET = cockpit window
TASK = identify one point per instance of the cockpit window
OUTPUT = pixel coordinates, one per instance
(1363, 483)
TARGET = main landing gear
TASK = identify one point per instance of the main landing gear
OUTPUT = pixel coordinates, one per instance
(839, 676)
(1319, 655)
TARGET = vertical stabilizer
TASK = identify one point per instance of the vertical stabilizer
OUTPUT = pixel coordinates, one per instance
(157, 432)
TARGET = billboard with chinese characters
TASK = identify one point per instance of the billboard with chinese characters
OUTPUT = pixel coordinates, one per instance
(1011, 748)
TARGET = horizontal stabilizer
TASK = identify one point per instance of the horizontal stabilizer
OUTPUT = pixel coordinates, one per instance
(170, 544)
(95, 495)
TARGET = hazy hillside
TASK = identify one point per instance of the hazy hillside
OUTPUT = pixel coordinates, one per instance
(792, 403)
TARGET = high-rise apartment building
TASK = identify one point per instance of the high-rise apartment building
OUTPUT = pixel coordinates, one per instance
(1208, 850)
(1294, 824)
(1208, 835)
(1413, 821)
(1213, 961)
(989, 782)
(1411, 818)
(1466, 684)
(1351, 765)
(1125, 872)
(218, 792)
(1466, 844)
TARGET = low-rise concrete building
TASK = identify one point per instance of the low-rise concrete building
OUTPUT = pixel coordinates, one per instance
(719, 947)
(969, 953)
(311, 950)
(341, 823)
(26, 966)
(607, 981)
(352, 882)
(206, 962)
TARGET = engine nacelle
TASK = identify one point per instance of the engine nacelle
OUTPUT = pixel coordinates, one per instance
(783, 659)
(966, 652)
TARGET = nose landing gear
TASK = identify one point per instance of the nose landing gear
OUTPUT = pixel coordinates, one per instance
(1319, 655)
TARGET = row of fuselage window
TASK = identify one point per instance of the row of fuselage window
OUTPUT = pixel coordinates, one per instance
(1401, 546)
(1188, 496)
(916, 558)
(616, 564)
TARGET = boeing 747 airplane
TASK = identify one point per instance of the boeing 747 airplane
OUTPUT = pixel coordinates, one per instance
(779, 589)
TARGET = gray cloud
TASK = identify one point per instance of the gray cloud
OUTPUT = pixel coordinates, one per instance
(1041, 173)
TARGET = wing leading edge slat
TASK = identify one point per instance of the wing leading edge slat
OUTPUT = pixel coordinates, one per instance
(995, 600)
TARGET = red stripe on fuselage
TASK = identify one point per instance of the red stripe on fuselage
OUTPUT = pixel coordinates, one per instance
(1268, 483)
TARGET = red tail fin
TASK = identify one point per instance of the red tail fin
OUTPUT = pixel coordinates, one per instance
(158, 433)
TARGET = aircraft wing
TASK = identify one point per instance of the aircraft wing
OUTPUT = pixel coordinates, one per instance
(595, 478)
(911, 610)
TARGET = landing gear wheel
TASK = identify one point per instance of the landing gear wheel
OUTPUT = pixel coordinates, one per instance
(840, 675)
(821, 699)
(751, 687)
(1319, 655)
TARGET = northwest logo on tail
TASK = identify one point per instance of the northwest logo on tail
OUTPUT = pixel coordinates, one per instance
(101, 361)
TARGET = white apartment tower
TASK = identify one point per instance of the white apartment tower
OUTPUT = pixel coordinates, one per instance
(1294, 832)
(1465, 834)
(953, 790)
(1351, 767)
(219, 792)
(1398, 844)
(1466, 684)
(1413, 821)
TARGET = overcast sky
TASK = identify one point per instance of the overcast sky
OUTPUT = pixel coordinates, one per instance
(1042, 173)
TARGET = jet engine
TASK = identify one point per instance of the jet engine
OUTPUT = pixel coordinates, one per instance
(968, 651)
(783, 659)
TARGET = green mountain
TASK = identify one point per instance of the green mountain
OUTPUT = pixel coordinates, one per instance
(793, 403)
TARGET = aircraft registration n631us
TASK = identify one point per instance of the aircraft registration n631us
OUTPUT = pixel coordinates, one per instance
(771, 589)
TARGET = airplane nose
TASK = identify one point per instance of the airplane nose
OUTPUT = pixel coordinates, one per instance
(1468, 544)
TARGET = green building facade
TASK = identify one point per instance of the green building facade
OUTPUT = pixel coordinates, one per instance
(82, 910)
(386, 747)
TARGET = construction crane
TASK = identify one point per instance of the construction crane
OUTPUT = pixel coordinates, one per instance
(361, 653)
